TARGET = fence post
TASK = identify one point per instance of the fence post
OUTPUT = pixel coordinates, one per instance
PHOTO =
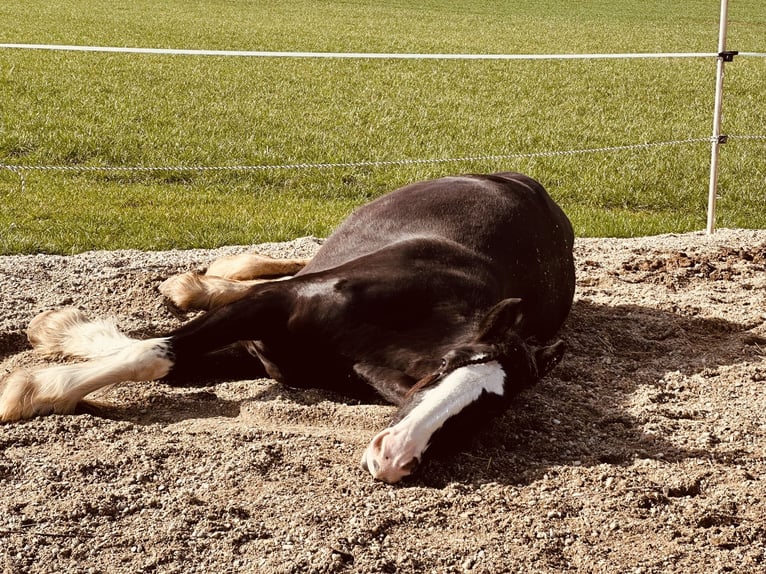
(717, 139)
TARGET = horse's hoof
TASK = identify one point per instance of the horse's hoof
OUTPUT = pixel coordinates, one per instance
(17, 393)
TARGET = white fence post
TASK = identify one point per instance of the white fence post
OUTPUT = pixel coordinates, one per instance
(717, 139)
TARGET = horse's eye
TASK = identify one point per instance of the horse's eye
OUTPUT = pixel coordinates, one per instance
(443, 364)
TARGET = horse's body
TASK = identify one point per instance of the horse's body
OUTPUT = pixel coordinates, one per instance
(433, 295)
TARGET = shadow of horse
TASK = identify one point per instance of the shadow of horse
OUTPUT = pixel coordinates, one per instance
(579, 414)
(12, 343)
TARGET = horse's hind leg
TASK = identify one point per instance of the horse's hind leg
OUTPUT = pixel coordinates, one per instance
(191, 290)
(247, 266)
(227, 280)
(114, 358)
(58, 389)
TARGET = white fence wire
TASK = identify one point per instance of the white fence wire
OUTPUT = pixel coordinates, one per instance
(348, 55)
(363, 55)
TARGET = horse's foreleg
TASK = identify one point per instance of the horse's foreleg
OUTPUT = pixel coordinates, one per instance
(114, 357)
(68, 332)
(58, 389)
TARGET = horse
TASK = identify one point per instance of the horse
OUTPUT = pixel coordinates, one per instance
(441, 297)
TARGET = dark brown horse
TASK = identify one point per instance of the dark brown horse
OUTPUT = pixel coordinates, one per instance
(437, 296)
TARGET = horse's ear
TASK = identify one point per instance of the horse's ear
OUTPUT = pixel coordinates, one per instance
(503, 317)
(548, 357)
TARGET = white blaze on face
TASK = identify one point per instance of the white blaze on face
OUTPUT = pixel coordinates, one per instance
(395, 451)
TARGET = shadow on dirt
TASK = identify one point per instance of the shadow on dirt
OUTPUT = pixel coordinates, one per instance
(578, 415)
(167, 407)
(12, 343)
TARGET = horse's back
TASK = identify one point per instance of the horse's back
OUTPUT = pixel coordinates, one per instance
(505, 219)
(490, 214)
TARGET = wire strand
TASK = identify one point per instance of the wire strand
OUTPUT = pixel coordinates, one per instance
(365, 163)
(20, 169)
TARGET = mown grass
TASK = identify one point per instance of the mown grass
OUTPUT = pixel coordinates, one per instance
(134, 110)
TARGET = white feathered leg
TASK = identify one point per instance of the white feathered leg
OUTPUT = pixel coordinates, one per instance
(113, 358)
(25, 394)
(191, 290)
(226, 280)
(69, 333)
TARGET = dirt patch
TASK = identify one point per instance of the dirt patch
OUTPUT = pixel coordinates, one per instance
(644, 451)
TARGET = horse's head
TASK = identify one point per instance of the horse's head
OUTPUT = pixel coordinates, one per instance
(474, 380)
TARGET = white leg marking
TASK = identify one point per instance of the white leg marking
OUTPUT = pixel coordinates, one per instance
(68, 333)
(227, 280)
(254, 266)
(58, 389)
(393, 453)
(194, 291)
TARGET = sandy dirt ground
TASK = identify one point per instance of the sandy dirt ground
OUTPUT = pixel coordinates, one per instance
(643, 451)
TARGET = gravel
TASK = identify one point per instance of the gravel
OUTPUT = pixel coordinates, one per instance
(644, 451)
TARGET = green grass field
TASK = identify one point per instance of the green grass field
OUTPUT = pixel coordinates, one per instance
(82, 109)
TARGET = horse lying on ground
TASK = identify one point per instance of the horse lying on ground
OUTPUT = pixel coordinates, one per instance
(437, 296)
